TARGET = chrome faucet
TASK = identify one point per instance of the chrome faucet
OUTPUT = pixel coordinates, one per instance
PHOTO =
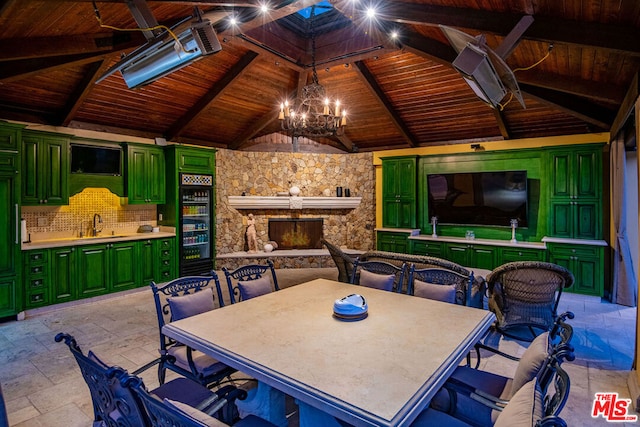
(97, 219)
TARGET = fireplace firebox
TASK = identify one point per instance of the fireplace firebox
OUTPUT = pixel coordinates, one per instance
(296, 233)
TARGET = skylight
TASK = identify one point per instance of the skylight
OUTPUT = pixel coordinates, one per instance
(316, 9)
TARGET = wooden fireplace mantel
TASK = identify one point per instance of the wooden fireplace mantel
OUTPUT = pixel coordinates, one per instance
(282, 202)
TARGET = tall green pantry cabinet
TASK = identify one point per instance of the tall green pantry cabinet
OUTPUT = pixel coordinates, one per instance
(10, 254)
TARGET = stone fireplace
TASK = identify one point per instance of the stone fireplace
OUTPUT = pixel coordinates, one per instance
(296, 233)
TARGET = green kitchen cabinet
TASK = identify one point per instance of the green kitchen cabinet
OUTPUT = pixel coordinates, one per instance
(427, 247)
(62, 279)
(165, 267)
(194, 160)
(45, 169)
(585, 262)
(392, 242)
(10, 255)
(471, 255)
(399, 178)
(124, 266)
(93, 270)
(145, 174)
(147, 261)
(575, 193)
(521, 254)
(10, 136)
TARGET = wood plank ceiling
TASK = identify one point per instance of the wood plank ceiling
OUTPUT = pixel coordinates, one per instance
(398, 92)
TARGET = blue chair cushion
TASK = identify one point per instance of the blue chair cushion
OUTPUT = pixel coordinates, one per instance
(524, 409)
(434, 291)
(191, 304)
(254, 288)
(183, 390)
(377, 281)
(531, 362)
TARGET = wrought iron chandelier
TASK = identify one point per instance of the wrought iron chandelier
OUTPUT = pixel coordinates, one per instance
(313, 114)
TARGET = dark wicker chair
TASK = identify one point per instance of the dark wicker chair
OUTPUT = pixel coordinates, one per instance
(457, 286)
(425, 261)
(343, 261)
(115, 404)
(180, 298)
(525, 295)
(239, 281)
(380, 269)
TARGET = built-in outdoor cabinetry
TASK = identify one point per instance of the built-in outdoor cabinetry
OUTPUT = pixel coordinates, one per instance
(145, 174)
(575, 192)
(393, 241)
(471, 255)
(61, 274)
(10, 291)
(423, 247)
(45, 169)
(399, 177)
(518, 254)
(193, 160)
(586, 262)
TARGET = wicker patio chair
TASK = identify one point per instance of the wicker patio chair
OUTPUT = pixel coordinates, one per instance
(525, 294)
(343, 261)
(379, 275)
(440, 284)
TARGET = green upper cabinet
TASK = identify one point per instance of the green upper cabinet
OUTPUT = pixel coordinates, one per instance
(45, 169)
(575, 192)
(145, 174)
(192, 160)
(399, 176)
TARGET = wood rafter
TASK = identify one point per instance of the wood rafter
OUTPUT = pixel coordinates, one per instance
(83, 89)
(219, 88)
(382, 99)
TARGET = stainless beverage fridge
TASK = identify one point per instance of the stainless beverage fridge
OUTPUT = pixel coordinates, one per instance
(196, 224)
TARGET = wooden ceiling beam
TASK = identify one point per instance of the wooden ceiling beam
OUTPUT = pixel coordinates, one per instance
(546, 29)
(40, 47)
(502, 125)
(369, 80)
(238, 69)
(572, 105)
(256, 19)
(82, 92)
(21, 69)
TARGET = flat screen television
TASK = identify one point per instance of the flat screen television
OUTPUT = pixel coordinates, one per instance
(98, 160)
(478, 198)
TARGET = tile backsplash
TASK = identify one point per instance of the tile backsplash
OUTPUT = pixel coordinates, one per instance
(79, 213)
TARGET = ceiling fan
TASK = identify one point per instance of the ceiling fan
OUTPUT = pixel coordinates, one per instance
(483, 68)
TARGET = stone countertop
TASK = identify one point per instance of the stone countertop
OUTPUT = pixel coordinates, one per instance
(491, 242)
(55, 240)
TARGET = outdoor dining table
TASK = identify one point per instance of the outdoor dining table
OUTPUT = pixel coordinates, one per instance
(382, 370)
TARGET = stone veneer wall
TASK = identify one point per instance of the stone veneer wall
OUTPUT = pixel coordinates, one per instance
(266, 174)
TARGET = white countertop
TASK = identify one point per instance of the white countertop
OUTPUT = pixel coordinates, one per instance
(57, 240)
(491, 242)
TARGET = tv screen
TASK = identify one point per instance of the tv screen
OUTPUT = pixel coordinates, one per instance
(478, 198)
(97, 160)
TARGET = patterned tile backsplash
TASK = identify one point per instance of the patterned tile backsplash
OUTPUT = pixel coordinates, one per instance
(82, 207)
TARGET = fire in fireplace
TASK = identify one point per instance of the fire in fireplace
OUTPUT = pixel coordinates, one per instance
(296, 233)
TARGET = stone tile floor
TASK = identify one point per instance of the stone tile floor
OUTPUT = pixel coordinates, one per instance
(43, 386)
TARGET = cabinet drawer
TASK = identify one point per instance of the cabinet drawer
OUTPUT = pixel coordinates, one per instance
(37, 257)
(576, 250)
(511, 255)
(36, 283)
(165, 275)
(427, 248)
(37, 298)
(36, 270)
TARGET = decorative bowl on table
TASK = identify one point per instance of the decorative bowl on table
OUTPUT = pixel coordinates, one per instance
(351, 307)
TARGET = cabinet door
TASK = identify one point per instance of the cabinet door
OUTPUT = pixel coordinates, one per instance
(561, 184)
(586, 264)
(147, 262)
(123, 266)
(93, 270)
(9, 245)
(458, 253)
(420, 247)
(587, 220)
(156, 180)
(196, 161)
(512, 255)
(483, 257)
(136, 175)
(31, 189)
(8, 296)
(55, 167)
(586, 174)
(406, 178)
(62, 275)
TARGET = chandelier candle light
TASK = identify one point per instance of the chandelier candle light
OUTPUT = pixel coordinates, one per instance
(314, 115)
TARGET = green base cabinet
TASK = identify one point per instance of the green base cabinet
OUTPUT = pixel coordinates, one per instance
(470, 255)
(123, 266)
(164, 260)
(62, 275)
(585, 262)
(392, 242)
(513, 255)
(425, 247)
(93, 270)
(10, 255)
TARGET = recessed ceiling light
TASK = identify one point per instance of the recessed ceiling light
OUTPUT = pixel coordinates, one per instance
(371, 12)
(264, 8)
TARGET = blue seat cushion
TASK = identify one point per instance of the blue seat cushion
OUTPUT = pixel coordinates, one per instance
(204, 364)
(254, 288)
(183, 390)
(191, 304)
(377, 281)
(434, 291)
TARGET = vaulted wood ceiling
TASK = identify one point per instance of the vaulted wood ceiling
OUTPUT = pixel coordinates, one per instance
(398, 92)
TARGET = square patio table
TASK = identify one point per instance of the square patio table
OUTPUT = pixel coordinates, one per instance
(379, 371)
